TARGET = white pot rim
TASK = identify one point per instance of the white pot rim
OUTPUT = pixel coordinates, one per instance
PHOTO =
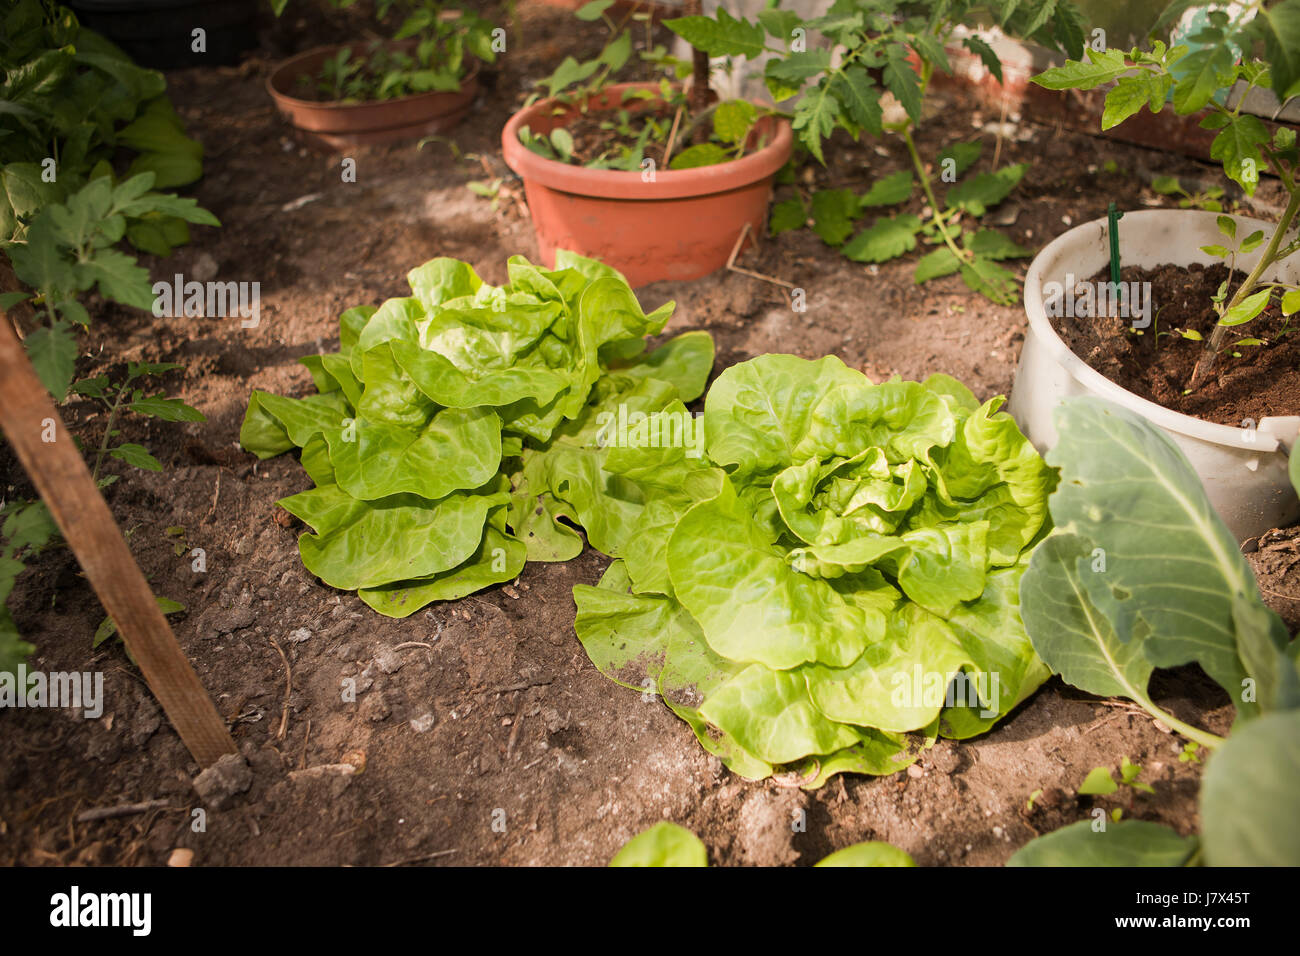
(1086, 375)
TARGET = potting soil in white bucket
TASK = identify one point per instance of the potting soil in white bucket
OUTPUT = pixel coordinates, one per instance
(1244, 469)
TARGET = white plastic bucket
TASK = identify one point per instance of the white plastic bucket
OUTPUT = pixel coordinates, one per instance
(1244, 470)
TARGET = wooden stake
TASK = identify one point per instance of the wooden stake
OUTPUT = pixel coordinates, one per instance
(28, 415)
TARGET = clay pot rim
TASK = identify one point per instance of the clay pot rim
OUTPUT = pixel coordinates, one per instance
(290, 69)
(623, 184)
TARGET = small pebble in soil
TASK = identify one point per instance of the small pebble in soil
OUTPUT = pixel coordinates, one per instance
(389, 660)
(299, 635)
(223, 781)
(180, 857)
(915, 771)
(423, 723)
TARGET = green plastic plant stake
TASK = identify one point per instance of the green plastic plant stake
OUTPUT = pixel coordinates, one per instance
(1113, 216)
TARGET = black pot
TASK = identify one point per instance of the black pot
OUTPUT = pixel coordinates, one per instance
(160, 33)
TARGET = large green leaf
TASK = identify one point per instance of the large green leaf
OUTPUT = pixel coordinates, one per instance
(751, 604)
(1140, 571)
(757, 412)
(1106, 843)
(399, 538)
(1248, 796)
(724, 36)
(885, 239)
(52, 350)
(457, 449)
(770, 714)
(499, 558)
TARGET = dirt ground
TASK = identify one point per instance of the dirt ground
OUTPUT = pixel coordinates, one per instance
(487, 737)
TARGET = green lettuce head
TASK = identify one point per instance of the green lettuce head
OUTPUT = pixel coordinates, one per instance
(832, 579)
(455, 434)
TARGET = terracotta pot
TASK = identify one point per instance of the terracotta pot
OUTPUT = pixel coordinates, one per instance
(681, 225)
(336, 125)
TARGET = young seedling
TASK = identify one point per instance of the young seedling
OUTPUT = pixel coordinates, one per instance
(1208, 199)
(445, 36)
(685, 129)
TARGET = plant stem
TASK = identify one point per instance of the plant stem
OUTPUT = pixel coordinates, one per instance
(1211, 354)
(929, 193)
(108, 432)
(1202, 737)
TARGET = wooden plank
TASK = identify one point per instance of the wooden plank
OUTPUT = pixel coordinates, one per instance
(27, 414)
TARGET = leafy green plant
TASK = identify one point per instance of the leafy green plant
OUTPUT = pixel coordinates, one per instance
(123, 395)
(832, 568)
(26, 529)
(454, 435)
(1100, 782)
(1209, 199)
(1139, 573)
(1196, 76)
(900, 45)
(71, 248)
(69, 100)
(445, 37)
(833, 214)
(574, 81)
(666, 119)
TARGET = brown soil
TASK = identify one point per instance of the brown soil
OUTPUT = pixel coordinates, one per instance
(526, 734)
(1249, 381)
(592, 137)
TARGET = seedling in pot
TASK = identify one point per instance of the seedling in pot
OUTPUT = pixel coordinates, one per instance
(1223, 61)
(446, 38)
(676, 127)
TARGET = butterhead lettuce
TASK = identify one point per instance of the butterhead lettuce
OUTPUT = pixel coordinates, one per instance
(832, 579)
(456, 433)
